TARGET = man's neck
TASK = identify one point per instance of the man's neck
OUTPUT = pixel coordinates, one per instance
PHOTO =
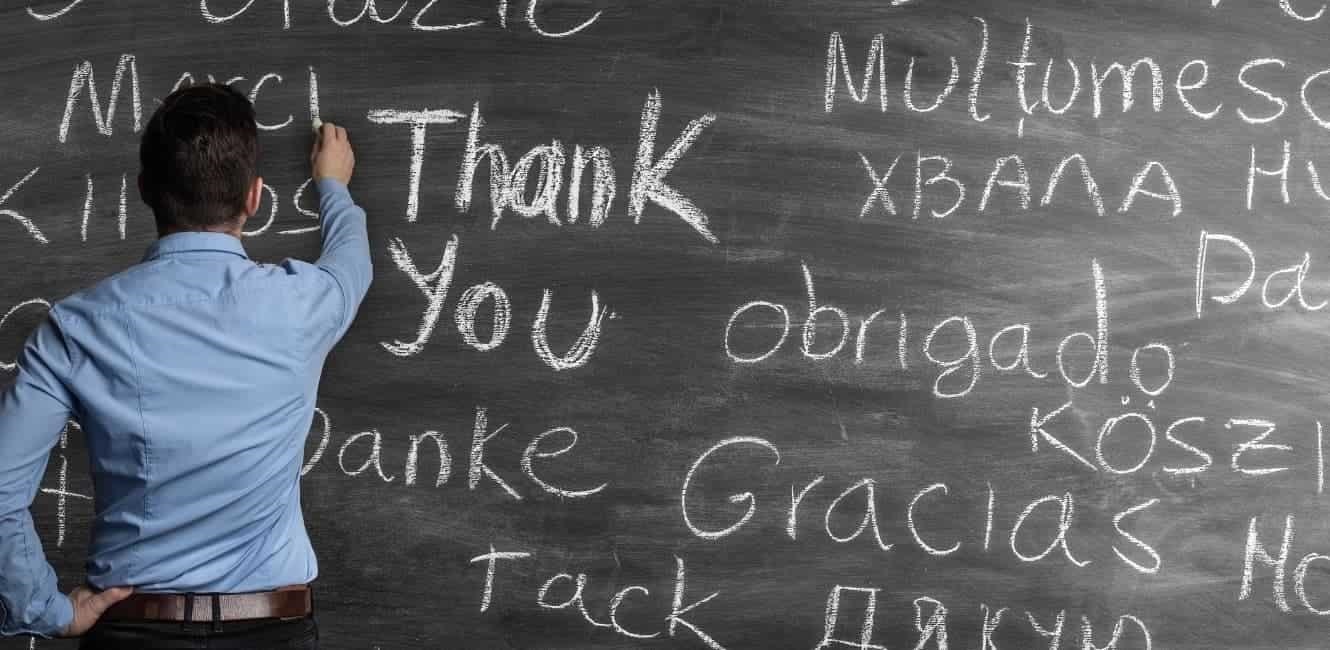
(234, 231)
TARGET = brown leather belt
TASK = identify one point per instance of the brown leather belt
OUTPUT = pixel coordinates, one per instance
(284, 602)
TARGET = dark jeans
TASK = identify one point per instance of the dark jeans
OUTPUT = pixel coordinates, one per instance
(264, 634)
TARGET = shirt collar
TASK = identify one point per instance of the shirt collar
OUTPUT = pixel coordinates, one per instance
(186, 242)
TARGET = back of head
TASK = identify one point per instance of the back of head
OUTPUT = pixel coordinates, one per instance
(199, 157)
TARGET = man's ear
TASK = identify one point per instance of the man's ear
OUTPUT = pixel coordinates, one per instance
(253, 196)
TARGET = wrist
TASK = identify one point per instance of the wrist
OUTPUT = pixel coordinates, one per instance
(330, 185)
(58, 618)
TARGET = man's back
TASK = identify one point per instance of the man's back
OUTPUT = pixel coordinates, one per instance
(194, 375)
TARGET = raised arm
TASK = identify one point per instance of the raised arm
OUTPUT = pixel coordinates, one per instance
(345, 253)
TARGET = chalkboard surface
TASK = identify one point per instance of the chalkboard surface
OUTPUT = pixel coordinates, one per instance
(758, 323)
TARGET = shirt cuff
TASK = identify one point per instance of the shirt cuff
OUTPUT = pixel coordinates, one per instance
(331, 186)
(59, 614)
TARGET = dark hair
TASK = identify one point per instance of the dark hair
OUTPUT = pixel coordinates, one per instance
(199, 155)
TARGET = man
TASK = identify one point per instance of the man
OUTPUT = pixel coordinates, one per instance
(193, 375)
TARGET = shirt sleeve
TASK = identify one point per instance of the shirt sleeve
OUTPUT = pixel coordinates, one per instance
(345, 253)
(32, 412)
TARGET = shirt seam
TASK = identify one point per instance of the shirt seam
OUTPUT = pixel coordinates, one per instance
(234, 291)
(33, 578)
(147, 448)
(71, 350)
(160, 255)
(344, 319)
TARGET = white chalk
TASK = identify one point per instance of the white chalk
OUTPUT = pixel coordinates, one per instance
(318, 124)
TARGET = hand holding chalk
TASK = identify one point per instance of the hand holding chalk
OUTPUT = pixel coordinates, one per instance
(331, 156)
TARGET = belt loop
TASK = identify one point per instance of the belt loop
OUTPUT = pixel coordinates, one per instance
(216, 613)
(189, 610)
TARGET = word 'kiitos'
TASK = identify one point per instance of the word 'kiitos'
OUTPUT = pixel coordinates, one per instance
(265, 217)
(509, 182)
(959, 374)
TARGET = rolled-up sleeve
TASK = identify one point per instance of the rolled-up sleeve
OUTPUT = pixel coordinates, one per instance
(345, 254)
(32, 412)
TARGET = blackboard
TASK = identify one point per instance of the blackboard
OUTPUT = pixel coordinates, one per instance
(901, 324)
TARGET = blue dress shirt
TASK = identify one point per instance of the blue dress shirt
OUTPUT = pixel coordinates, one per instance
(194, 376)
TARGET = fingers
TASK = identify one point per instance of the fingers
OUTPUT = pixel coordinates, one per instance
(330, 132)
(331, 156)
(89, 606)
(99, 602)
(321, 131)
